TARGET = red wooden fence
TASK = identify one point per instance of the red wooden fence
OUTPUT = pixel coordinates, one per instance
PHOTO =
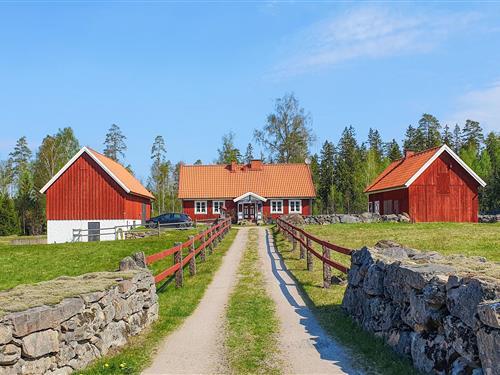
(299, 236)
(209, 238)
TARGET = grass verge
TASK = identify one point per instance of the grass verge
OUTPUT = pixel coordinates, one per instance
(252, 325)
(175, 306)
(370, 353)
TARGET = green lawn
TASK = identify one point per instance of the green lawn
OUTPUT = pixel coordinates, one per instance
(252, 324)
(447, 238)
(26, 264)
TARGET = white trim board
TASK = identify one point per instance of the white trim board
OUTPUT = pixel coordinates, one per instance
(257, 196)
(84, 149)
(422, 169)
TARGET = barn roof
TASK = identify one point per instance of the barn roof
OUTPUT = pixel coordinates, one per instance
(115, 170)
(226, 181)
(402, 173)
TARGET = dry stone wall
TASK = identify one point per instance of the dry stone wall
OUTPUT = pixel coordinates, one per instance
(441, 312)
(67, 336)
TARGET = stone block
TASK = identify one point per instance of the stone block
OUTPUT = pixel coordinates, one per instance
(489, 313)
(5, 334)
(9, 354)
(38, 344)
(488, 342)
(373, 283)
(462, 338)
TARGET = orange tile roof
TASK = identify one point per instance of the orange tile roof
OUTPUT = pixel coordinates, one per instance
(400, 171)
(271, 181)
(124, 176)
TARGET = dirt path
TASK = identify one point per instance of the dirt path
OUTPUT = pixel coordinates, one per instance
(304, 344)
(197, 346)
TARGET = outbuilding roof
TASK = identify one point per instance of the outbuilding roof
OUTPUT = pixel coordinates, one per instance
(114, 169)
(230, 181)
(402, 173)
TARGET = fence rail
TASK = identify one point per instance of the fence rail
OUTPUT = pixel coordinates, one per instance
(297, 235)
(209, 238)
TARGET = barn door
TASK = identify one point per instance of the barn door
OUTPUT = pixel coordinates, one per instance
(94, 232)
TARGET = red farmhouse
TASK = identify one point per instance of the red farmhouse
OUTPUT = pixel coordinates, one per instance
(92, 192)
(255, 191)
(433, 185)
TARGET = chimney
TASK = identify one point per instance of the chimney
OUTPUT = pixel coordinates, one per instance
(256, 165)
(233, 166)
(409, 153)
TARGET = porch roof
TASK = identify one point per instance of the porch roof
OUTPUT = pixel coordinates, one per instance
(249, 194)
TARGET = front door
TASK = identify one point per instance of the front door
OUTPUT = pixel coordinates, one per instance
(249, 211)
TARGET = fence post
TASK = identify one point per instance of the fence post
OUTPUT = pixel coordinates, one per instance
(179, 274)
(327, 271)
(203, 255)
(294, 240)
(302, 248)
(309, 256)
(192, 261)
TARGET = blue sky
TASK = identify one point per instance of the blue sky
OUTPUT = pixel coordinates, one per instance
(194, 71)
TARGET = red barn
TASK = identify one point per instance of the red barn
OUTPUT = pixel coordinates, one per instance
(255, 191)
(92, 192)
(433, 185)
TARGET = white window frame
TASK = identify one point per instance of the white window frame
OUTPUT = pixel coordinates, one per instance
(370, 207)
(217, 205)
(293, 202)
(376, 207)
(200, 211)
(276, 201)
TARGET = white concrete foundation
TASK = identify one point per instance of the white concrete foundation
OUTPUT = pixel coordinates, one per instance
(60, 231)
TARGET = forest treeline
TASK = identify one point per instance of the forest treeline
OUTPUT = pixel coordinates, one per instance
(341, 171)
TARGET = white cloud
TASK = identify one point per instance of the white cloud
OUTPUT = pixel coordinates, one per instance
(481, 105)
(368, 32)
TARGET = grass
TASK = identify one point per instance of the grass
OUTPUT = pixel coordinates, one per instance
(252, 324)
(370, 353)
(175, 306)
(27, 264)
(447, 238)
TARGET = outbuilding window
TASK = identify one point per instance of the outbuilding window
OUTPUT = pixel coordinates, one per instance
(216, 206)
(387, 207)
(276, 207)
(370, 207)
(295, 206)
(200, 207)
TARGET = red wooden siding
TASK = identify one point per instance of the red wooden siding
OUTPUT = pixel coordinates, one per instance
(85, 192)
(401, 196)
(444, 192)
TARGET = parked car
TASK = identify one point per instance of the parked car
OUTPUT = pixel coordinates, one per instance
(170, 220)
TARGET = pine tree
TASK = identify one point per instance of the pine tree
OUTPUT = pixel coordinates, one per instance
(491, 196)
(115, 143)
(160, 170)
(315, 176)
(447, 136)
(8, 217)
(326, 175)
(375, 144)
(20, 159)
(457, 138)
(472, 134)
(393, 151)
(198, 162)
(414, 139)
(249, 153)
(429, 127)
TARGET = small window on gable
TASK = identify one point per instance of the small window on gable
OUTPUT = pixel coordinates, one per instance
(200, 207)
(276, 206)
(295, 206)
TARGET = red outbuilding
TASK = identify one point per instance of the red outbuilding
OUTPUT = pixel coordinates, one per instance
(432, 185)
(90, 193)
(254, 191)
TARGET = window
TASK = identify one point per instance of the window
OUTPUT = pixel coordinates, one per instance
(276, 207)
(200, 207)
(387, 207)
(295, 206)
(370, 206)
(376, 208)
(216, 206)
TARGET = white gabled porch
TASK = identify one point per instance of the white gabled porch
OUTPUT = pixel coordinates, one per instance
(249, 207)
